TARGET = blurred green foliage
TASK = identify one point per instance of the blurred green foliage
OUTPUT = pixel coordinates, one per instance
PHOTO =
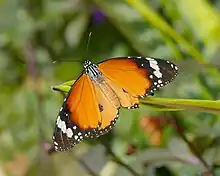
(34, 33)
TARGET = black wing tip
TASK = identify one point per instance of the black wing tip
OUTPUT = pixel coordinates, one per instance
(160, 72)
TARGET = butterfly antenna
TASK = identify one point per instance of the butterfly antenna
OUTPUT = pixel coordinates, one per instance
(89, 39)
(87, 49)
(61, 61)
(88, 43)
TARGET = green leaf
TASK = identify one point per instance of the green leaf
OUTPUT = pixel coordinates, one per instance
(166, 104)
(162, 108)
(156, 20)
(65, 87)
(199, 18)
(209, 106)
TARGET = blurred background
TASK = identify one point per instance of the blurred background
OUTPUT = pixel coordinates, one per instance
(35, 33)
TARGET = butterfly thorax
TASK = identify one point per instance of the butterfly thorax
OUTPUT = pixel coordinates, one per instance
(92, 70)
(96, 76)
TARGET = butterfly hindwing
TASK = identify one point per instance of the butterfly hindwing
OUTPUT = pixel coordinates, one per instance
(108, 104)
(126, 99)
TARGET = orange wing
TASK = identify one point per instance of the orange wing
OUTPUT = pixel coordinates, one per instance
(86, 112)
(127, 80)
(109, 105)
(126, 74)
(134, 77)
(82, 104)
(125, 98)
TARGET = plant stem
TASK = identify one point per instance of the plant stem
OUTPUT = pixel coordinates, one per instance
(194, 150)
(118, 160)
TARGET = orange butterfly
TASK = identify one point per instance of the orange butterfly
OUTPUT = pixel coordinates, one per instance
(92, 105)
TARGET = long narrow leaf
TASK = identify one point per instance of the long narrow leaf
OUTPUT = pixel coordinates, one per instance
(166, 104)
(209, 106)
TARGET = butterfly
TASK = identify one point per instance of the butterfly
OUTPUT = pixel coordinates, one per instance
(91, 108)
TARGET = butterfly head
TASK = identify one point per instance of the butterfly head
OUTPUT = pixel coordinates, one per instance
(87, 63)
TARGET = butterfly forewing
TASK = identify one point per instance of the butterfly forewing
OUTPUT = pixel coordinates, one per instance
(78, 117)
(139, 76)
(160, 72)
(126, 74)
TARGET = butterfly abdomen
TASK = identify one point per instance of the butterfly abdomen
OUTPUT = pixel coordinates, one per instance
(96, 76)
(109, 93)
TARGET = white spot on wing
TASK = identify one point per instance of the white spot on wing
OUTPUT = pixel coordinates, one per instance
(63, 126)
(76, 137)
(59, 123)
(58, 120)
(150, 59)
(69, 132)
(158, 74)
(154, 65)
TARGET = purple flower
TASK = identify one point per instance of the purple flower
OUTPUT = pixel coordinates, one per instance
(98, 16)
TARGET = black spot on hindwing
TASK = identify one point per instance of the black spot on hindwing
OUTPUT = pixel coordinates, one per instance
(101, 108)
